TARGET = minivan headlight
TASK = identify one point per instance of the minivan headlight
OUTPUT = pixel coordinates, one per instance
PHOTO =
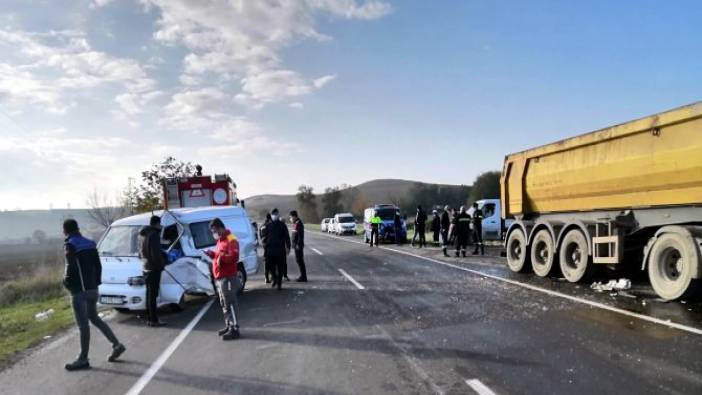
(135, 281)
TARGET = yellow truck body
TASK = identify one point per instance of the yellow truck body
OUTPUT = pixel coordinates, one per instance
(650, 162)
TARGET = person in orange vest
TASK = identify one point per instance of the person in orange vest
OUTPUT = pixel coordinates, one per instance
(225, 262)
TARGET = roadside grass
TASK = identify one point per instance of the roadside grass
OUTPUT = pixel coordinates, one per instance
(27, 294)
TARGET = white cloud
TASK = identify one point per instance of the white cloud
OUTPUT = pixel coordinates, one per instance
(320, 82)
(99, 3)
(297, 105)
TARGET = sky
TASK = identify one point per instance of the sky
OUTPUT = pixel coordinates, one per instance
(280, 93)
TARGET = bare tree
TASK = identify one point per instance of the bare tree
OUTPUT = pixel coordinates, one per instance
(104, 210)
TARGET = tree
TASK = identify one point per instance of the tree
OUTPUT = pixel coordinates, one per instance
(39, 236)
(486, 186)
(360, 203)
(308, 203)
(104, 210)
(148, 194)
(331, 202)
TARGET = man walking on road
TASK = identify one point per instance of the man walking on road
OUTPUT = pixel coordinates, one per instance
(268, 269)
(435, 227)
(225, 260)
(154, 263)
(461, 223)
(445, 225)
(298, 242)
(420, 224)
(478, 230)
(277, 247)
(375, 228)
(82, 277)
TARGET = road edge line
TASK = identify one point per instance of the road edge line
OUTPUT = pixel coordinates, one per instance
(479, 387)
(161, 360)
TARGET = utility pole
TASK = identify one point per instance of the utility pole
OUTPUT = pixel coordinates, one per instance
(130, 195)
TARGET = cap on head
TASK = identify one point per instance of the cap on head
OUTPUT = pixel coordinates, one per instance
(463, 209)
(70, 226)
(155, 220)
(434, 212)
(275, 211)
(447, 208)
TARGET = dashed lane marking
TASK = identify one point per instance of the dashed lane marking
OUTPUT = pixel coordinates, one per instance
(348, 277)
(479, 387)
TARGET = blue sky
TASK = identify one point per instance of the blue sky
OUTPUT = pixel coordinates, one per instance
(320, 92)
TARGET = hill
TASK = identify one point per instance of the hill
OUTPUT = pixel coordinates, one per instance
(18, 225)
(400, 192)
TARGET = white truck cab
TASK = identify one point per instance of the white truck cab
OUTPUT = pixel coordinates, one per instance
(493, 227)
(185, 235)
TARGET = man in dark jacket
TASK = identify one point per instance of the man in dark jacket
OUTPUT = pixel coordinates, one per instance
(268, 270)
(461, 223)
(298, 242)
(82, 278)
(277, 247)
(397, 223)
(420, 225)
(154, 263)
(435, 227)
(445, 225)
(478, 230)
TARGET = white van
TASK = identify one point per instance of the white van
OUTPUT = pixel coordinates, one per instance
(344, 224)
(493, 226)
(185, 234)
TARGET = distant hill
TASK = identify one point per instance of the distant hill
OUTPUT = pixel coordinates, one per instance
(375, 191)
(18, 225)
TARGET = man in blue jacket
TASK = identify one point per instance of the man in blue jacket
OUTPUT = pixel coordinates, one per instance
(81, 278)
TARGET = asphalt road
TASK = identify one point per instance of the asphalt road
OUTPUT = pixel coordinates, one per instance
(378, 321)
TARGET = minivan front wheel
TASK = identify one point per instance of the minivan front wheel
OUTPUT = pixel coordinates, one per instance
(242, 277)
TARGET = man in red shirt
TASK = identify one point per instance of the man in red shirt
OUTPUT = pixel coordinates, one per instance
(225, 262)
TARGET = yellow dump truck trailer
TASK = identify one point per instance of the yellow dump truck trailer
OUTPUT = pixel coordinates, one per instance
(628, 193)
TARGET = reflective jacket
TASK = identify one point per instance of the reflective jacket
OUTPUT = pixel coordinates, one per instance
(375, 221)
(225, 257)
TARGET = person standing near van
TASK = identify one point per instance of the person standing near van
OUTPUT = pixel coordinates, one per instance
(154, 263)
(298, 242)
(225, 268)
(268, 270)
(420, 225)
(277, 247)
(461, 223)
(81, 278)
(375, 228)
(435, 227)
(478, 230)
(445, 226)
(398, 228)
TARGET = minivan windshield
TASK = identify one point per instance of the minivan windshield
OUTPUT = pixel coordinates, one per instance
(345, 219)
(120, 241)
(386, 213)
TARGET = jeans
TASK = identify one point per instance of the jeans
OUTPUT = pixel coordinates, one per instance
(85, 311)
(152, 279)
(227, 289)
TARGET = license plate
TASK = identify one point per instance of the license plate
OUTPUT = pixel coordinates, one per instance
(111, 300)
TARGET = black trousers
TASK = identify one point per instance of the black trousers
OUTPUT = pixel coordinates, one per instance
(152, 278)
(478, 240)
(374, 236)
(277, 264)
(267, 268)
(300, 259)
(436, 237)
(422, 237)
(461, 242)
(445, 238)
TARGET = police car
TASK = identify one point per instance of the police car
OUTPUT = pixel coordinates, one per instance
(185, 235)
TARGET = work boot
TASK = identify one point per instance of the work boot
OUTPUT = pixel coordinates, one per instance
(156, 324)
(231, 334)
(78, 364)
(445, 253)
(222, 331)
(301, 279)
(463, 253)
(116, 352)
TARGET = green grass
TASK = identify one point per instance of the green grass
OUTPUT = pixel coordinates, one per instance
(21, 299)
(19, 329)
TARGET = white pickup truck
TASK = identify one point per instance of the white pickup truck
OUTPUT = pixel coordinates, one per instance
(493, 226)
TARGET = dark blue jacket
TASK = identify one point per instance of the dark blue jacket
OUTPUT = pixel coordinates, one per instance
(83, 268)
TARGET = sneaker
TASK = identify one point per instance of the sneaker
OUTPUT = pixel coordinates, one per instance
(222, 331)
(231, 334)
(116, 352)
(78, 364)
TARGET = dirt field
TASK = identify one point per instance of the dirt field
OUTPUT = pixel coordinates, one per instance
(19, 260)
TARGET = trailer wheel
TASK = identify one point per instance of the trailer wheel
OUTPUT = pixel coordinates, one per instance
(543, 253)
(574, 257)
(517, 251)
(671, 265)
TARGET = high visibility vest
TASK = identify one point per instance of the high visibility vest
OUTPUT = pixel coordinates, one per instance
(375, 220)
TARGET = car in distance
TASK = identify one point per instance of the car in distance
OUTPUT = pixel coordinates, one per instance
(325, 223)
(185, 235)
(344, 224)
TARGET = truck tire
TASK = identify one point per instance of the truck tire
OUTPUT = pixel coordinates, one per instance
(672, 263)
(516, 249)
(542, 255)
(574, 257)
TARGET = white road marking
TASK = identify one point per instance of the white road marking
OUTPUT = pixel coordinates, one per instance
(158, 363)
(317, 251)
(356, 283)
(479, 387)
(599, 305)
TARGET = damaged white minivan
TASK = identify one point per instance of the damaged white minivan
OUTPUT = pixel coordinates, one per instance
(185, 235)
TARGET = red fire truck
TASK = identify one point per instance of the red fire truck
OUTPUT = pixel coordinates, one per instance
(199, 191)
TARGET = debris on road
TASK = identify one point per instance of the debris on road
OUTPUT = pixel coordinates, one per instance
(41, 316)
(612, 285)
